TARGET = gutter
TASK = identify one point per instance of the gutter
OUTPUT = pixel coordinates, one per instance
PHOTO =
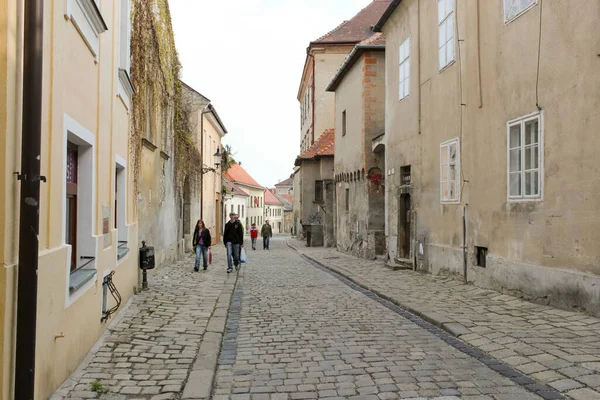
(386, 15)
(351, 59)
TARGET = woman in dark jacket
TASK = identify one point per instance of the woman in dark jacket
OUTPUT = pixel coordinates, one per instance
(201, 243)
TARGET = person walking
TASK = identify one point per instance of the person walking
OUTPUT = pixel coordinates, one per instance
(233, 238)
(201, 242)
(266, 232)
(253, 235)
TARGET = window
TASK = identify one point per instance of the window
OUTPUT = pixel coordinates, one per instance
(125, 86)
(404, 77)
(514, 8)
(231, 208)
(344, 123)
(347, 198)
(88, 21)
(525, 158)
(319, 191)
(78, 208)
(71, 215)
(446, 32)
(238, 210)
(481, 256)
(449, 172)
(242, 212)
(121, 207)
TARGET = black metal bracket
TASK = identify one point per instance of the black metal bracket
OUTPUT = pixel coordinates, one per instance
(115, 294)
(36, 178)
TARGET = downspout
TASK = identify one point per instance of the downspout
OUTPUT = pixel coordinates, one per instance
(205, 111)
(419, 58)
(479, 54)
(29, 219)
(312, 99)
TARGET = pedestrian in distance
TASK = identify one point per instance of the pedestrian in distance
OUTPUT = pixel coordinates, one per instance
(201, 242)
(233, 238)
(266, 232)
(253, 235)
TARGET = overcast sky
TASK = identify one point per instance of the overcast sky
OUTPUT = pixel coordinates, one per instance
(247, 57)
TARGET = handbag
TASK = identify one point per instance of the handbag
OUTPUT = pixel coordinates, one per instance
(243, 255)
(209, 256)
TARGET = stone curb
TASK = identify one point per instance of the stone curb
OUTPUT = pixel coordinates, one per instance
(199, 384)
(449, 325)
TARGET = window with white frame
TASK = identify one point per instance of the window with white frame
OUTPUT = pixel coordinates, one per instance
(404, 69)
(85, 15)
(78, 223)
(514, 8)
(450, 171)
(121, 208)
(525, 158)
(446, 32)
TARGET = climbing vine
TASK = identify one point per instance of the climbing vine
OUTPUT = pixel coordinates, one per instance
(161, 117)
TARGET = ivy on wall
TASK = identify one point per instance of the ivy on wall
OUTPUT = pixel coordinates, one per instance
(160, 116)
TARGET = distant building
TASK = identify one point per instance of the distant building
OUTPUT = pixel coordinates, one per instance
(285, 187)
(236, 200)
(359, 87)
(274, 211)
(253, 212)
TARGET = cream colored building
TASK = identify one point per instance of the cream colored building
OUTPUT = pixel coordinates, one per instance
(86, 160)
(274, 211)
(494, 119)
(254, 210)
(206, 204)
(236, 200)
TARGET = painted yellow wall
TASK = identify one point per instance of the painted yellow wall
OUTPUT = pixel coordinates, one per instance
(77, 85)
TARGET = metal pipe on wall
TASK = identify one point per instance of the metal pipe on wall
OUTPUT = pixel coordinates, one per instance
(29, 218)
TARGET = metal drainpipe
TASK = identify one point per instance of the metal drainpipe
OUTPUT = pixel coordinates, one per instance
(29, 219)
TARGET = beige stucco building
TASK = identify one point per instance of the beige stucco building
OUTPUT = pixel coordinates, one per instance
(87, 221)
(207, 131)
(493, 119)
(359, 87)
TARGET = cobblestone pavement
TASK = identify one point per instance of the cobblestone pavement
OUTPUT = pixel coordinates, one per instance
(150, 351)
(297, 332)
(555, 347)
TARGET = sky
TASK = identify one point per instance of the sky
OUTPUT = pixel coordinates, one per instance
(247, 57)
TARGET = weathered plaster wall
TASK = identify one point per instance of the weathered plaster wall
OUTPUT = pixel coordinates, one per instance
(544, 249)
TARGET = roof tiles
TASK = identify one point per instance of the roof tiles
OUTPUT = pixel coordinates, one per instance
(324, 146)
(238, 175)
(357, 28)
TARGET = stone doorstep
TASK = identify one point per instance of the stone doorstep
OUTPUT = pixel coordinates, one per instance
(452, 327)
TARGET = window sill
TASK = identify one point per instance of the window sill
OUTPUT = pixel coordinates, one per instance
(515, 17)
(126, 89)
(445, 67)
(526, 200)
(122, 250)
(449, 202)
(88, 21)
(164, 155)
(148, 144)
(318, 202)
(80, 277)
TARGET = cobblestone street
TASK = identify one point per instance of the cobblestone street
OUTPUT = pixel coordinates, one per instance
(301, 333)
(297, 328)
(165, 340)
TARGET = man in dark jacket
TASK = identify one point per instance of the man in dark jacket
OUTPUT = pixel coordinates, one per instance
(233, 238)
(266, 232)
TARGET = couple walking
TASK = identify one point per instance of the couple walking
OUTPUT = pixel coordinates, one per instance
(266, 232)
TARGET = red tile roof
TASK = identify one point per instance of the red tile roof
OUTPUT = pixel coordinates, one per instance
(324, 146)
(237, 174)
(271, 199)
(288, 182)
(358, 27)
(288, 197)
(377, 39)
